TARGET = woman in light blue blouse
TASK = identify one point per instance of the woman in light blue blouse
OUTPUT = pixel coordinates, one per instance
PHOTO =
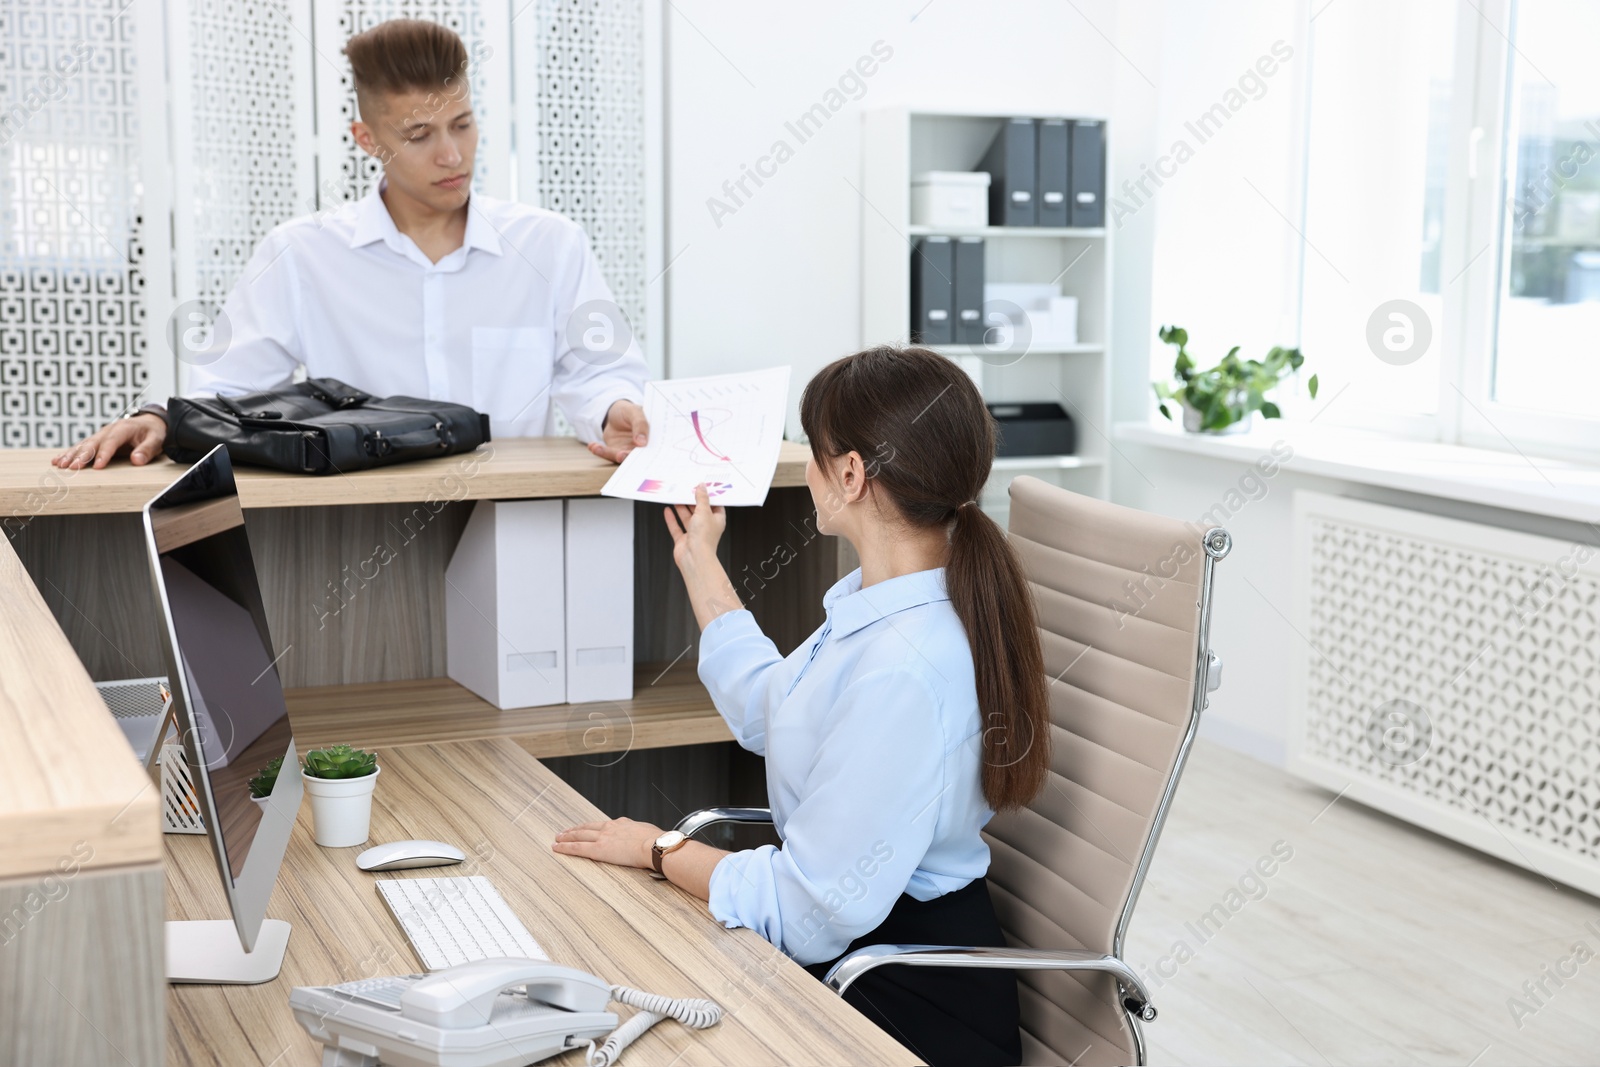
(892, 734)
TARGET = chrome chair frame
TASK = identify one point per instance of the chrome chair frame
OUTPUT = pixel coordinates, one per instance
(1135, 997)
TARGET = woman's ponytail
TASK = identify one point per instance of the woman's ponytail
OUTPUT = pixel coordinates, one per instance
(932, 442)
(991, 596)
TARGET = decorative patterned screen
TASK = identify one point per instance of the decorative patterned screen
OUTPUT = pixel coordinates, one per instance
(73, 300)
(246, 137)
(590, 150)
(71, 317)
(1458, 666)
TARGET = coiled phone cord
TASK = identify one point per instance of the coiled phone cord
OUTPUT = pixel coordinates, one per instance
(696, 1014)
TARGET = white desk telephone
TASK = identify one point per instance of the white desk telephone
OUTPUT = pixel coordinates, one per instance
(488, 1013)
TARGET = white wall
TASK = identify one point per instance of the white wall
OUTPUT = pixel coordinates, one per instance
(1223, 264)
(779, 280)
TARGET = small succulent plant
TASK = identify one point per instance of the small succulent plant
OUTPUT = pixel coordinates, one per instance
(340, 761)
(267, 777)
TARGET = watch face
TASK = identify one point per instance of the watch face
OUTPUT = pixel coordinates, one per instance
(670, 839)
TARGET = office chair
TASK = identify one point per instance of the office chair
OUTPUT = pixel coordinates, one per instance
(1124, 604)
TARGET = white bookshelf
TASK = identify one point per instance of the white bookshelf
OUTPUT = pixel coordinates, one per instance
(898, 142)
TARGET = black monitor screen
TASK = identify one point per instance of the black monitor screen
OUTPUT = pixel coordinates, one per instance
(227, 674)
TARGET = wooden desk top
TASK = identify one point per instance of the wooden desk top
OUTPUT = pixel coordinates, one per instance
(503, 808)
(515, 468)
(72, 789)
(669, 707)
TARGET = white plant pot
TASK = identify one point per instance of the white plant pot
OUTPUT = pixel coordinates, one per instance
(341, 808)
(1191, 423)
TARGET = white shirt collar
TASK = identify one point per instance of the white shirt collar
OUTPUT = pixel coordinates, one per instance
(374, 223)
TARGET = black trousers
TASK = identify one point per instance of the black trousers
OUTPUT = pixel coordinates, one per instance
(946, 1015)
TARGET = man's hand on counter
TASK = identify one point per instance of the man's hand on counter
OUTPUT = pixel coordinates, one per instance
(625, 429)
(144, 433)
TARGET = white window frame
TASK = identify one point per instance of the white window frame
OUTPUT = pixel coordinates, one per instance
(1474, 255)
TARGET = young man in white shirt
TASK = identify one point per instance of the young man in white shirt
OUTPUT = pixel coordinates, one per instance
(422, 288)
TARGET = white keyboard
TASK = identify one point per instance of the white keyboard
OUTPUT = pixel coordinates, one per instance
(456, 920)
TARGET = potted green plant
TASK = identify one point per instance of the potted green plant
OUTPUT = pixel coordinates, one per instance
(267, 777)
(340, 779)
(1225, 398)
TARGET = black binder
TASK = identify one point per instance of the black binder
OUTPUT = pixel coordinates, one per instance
(969, 291)
(1088, 173)
(1054, 155)
(1011, 161)
(932, 289)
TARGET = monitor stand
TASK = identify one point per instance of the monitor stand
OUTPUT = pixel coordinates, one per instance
(208, 951)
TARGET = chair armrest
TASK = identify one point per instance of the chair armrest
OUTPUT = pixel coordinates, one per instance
(1135, 998)
(696, 821)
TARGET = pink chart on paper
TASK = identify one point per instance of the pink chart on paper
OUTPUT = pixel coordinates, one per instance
(694, 417)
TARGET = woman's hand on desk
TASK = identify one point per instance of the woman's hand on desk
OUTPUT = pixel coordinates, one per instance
(620, 841)
(628, 844)
(695, 533)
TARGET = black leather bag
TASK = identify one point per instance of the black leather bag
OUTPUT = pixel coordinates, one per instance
(321, 426)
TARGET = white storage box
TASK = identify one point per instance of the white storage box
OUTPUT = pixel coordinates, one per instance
(953, 198)
(1052, 319)
(1064, 319)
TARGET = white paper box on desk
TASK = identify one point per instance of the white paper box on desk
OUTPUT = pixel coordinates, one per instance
(599, 599)
(505, 604)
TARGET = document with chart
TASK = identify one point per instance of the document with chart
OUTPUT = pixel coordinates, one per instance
(724, 430)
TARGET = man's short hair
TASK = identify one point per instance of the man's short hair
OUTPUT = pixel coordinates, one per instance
(403, 55)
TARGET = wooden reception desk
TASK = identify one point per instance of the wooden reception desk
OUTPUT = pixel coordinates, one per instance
(85, 868)
(80, 866)
(362, 645)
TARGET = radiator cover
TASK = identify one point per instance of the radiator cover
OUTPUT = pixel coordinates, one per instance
(1448, 673)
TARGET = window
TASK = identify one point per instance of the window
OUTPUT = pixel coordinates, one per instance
(1382, 89)
(1451, 280)
(1549, 285)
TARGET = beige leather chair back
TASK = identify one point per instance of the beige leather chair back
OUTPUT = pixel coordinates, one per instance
(1119, 594)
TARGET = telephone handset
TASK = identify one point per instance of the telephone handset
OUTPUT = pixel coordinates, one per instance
(466, 995)
(487, 1013)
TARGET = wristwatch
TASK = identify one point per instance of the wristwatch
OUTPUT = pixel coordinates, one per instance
(144, 409)
(670, 841)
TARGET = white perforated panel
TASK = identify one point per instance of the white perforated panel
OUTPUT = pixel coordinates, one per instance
(73, 301)
(70, 315)
(591, 130)
(1457, 668)
(245, 139)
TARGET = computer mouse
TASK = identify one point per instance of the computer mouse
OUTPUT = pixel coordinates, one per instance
(399, 855)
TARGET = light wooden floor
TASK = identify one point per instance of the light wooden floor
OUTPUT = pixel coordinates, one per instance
(1376, 943)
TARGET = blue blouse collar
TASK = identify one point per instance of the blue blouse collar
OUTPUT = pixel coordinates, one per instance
(851, 607)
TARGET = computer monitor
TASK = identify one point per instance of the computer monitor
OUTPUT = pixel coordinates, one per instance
(227, 701)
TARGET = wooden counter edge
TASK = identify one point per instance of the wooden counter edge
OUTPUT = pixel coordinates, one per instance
(517, 468)
(70, 776)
